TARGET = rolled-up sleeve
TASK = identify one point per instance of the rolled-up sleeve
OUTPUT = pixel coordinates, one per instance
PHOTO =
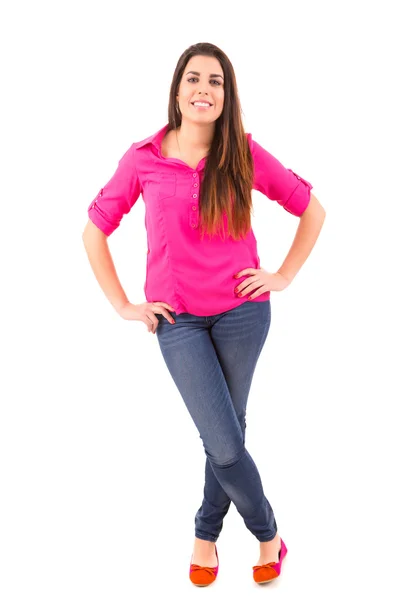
(117, 197)
(277, 182)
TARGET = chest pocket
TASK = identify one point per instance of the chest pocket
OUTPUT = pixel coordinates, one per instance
(167, 185)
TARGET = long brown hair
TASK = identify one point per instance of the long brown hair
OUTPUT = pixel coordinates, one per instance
(228, 174)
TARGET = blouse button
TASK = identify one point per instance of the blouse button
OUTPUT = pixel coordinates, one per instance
(194, 195)
(194, 207)
(194, 174)
(193, 224)
(195, 184)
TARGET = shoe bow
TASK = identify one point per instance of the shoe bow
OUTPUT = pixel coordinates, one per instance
(270, 564)
(210, 570)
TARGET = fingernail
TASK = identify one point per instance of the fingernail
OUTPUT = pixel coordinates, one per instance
(173, 321)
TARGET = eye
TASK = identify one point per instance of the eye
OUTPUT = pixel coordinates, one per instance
(190, 79)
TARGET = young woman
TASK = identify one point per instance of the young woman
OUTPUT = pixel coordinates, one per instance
(208, 299)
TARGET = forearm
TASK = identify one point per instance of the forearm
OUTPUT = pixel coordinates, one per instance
(102, 264)
(306, 236)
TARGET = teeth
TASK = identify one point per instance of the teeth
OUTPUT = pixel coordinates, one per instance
(201, 104)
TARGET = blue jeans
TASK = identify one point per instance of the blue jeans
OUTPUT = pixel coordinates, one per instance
(212, 362)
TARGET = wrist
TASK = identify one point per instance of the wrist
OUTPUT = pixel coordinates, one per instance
(286, 276)
(120, 304)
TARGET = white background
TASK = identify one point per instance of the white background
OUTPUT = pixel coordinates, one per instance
(101, 468)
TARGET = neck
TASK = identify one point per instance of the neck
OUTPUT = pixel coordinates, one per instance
(196, 135)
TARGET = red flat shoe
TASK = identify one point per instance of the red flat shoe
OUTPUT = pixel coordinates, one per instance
(271, 570)
(203, 575)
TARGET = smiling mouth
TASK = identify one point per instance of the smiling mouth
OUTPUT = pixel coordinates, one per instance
(203, 104)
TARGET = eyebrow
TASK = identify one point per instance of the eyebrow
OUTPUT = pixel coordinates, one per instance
(211, 74)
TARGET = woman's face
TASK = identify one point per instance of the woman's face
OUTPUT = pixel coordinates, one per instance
(205, 84)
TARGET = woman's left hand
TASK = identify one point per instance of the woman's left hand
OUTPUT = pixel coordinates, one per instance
(259, 282)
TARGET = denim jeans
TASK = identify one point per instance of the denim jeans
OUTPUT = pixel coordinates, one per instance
(212, 362)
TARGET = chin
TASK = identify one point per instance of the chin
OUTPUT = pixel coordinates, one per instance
(201, 119)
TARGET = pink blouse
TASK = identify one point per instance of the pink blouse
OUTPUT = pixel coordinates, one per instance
(192, 275)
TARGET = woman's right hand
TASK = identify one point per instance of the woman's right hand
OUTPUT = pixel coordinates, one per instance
(146, 312)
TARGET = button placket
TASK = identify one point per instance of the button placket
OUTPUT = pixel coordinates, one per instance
(193, 217)
(193, 220)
